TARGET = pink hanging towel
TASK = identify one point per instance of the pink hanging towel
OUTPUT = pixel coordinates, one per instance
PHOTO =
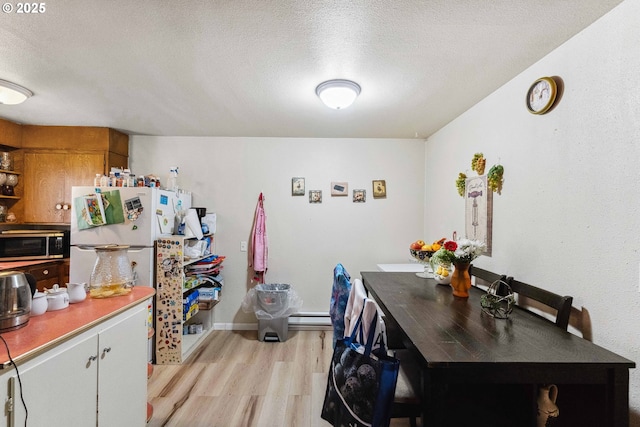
(259, 246)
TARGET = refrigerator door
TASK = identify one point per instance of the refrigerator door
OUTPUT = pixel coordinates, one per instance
(158, 207)
(83, 259)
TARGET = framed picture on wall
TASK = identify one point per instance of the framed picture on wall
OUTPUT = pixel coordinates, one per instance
(297, 186)
(478, 212)
(359, 196)
(339, 188)
(315, 196)
(379, 189)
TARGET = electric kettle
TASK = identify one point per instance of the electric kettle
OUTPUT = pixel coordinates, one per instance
(16, 290)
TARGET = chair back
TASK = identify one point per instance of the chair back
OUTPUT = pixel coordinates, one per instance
(339, 298)
(485, 277)
(561, 304)
(359, 303)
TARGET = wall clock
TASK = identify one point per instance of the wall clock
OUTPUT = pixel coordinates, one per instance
(541, 95)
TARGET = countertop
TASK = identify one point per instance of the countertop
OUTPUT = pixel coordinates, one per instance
(55, 327)
(9, 265)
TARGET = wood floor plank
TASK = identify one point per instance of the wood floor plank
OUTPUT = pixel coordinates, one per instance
(247, 412)
(319, 388)
(212, 380)
(298, 411)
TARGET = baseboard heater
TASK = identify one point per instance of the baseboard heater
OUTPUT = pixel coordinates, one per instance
(310, 320)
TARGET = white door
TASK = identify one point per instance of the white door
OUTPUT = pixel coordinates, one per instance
(61, 390)
(122, 374)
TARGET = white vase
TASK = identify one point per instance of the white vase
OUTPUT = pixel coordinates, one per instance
(547, 409)
(442, 273)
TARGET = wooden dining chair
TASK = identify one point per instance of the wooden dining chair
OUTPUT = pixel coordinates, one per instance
(406, 401)
(561, 304)
(485, 277)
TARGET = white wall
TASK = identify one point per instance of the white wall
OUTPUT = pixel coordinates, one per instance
(568, 218)
(306, 241)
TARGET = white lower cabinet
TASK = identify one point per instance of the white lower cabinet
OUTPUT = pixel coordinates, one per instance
(96, 378)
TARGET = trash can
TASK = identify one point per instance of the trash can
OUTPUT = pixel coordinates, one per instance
(274, 300)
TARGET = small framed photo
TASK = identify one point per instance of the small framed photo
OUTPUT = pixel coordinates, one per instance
(297, 186)
(379, 189)
(339, 188)
(315, 196)
(359, 196)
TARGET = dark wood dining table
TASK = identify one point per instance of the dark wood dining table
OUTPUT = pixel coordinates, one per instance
(459, 346)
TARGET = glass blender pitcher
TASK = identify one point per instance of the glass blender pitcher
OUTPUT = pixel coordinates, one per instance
(112, 274)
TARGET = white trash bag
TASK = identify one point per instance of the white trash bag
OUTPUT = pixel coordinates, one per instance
(271, 301)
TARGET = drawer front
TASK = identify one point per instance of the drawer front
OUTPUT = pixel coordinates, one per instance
(44, 272)
(47, 275)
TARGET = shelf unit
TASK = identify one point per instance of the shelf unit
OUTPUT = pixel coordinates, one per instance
(172, 346)
(10, 172)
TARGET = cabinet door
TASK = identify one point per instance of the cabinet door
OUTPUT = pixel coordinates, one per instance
(81, 170)
(48, 178)
(122, 377)
(44, 177)
(61, 389)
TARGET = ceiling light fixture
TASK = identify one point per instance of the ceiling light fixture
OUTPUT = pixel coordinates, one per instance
(11, 93)
(338, 94)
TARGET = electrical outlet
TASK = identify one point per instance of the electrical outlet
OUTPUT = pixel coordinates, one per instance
(243, 246)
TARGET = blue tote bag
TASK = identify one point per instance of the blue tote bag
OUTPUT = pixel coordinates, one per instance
(361, 385)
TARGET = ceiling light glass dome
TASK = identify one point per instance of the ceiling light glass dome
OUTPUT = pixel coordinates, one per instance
(338, 94)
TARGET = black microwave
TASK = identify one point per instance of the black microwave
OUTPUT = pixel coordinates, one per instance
(17, 245)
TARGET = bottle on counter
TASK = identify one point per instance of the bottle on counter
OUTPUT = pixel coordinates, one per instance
(125, 178)
(172, 180)
(104, 181)
(97, 180)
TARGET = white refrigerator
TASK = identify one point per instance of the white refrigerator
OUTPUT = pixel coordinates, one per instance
(139, 230)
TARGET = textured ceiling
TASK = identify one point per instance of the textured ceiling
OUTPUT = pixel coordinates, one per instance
(250, 67)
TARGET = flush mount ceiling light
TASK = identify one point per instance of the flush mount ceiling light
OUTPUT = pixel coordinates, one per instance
(338, 94)
(11, 93)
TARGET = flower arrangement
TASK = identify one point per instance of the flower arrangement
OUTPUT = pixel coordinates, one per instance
(464, 250)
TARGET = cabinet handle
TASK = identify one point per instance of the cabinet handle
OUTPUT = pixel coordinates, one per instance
(106, 350)
(65, 207)
(45, 272)
(91, 359)
(58, 206)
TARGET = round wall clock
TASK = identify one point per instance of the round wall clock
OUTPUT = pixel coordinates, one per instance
(541, 95)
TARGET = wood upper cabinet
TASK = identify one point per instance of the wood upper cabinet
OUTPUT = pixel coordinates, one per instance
(55, 158)
(48, 178)
(10, 134)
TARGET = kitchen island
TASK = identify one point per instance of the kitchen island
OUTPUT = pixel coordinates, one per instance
(92, 354)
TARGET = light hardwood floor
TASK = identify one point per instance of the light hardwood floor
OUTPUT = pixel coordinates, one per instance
(234, 380)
